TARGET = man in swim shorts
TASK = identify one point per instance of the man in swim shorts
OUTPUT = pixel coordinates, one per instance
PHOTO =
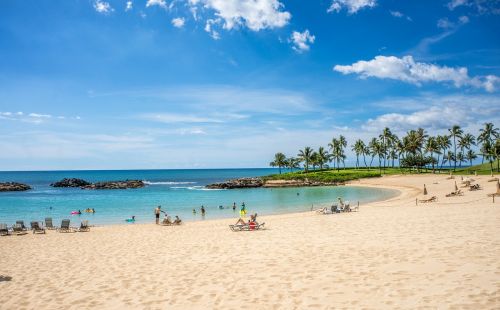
(157, 214)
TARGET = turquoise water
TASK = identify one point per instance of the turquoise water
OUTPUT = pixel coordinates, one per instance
(177, 191)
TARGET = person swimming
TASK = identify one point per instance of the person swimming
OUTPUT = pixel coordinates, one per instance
(132, 219)
(194, 211)
(221, 207)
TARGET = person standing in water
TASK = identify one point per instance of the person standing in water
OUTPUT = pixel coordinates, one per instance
(202, 211)
(234, 206)
(157, 214)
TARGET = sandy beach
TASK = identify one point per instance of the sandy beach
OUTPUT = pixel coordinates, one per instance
(390, 254)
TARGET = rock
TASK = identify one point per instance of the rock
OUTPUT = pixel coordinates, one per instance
(13, 187)
(70, 183)
(115, 185)
(237, 183)
(298, 183)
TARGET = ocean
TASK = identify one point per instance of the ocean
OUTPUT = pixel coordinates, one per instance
(177, 191)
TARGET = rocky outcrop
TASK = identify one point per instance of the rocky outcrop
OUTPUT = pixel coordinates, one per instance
(13, 187)
(73, 182)
(115, 185)
(297, 183)
(237, 183)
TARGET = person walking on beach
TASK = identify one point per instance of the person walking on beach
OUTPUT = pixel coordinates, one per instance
(157, 214)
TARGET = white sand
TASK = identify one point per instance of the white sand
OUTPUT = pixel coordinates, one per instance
(391, 254)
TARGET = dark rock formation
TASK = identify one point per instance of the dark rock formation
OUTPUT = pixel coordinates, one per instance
(13, 187)
(298, 183)
(237, 183)
(115, 185)
(70, 183)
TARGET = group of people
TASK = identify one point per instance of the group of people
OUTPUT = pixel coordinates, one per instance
(167, 220)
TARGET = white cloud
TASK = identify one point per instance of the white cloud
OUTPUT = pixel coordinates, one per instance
(407, 70)
(179, 118)
(400, 15)
(456, 3)
(437, 113)
(253, 14)
(128, 6)
(102, 7)
(34, 118)
(445, 23)
(36, 115)
(209, 28)
(481, 6)
(302, 40)
(160, 3)
(352, 6)
(178, 22)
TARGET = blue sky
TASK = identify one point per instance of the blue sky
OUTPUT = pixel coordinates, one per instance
(94, 84)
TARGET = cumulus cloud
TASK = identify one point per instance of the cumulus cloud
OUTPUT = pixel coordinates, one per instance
(302, 40)
(406, 69)
(253, 14)
(352, 6)
(160, 3)
(210, 29)
(178, 22)
(128, 6)
(437, 113)
(102, 7)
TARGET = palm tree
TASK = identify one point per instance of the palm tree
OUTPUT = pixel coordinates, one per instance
(279, 161)
(333, 147)
(385, 137)
(358, 148)
(487, 134)
(465, 143)
(432, 147)
(455, 132)
(305, 155)
(460, 158)
(323, 157)
(293, 163)
(314, 160)
(342, 145)
(489, 153)
(374, 149)
(470, 156)
(444, 144)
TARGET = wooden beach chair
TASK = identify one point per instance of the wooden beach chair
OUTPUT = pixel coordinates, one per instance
(432, 199)
(475, 187)
(35, 227)
(48, 224)
(167, 222)
(247, 227)
(4, 230)
(65, 227)
(84, 226)
(455, 193)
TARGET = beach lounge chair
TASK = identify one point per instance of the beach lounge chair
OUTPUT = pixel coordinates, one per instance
(65, 227)
(432, 199)
(4, 230)
(17, 229)
(48, 223)
(455, 193)
(84, 226)
(167, 222)
(355, 208)
(247, 227)
(325, 210)
(22, 225)
(475, 187)
(35, 227)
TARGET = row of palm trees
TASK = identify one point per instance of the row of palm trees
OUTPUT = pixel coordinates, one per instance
(415, 149)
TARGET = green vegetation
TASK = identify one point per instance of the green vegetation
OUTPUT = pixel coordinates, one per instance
(483, 169)
(326, 176)
(416, 151)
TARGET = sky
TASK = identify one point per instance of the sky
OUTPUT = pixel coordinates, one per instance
(158, 84)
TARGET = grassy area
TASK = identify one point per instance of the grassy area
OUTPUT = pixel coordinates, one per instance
(484, 169)
(348, 174)
(326, 176)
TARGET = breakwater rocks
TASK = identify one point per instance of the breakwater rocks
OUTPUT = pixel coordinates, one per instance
(115, 185)
(70, 183)
(237, 183)
(13, 187)
(298, 183)
(99, 185)
(258, 182)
